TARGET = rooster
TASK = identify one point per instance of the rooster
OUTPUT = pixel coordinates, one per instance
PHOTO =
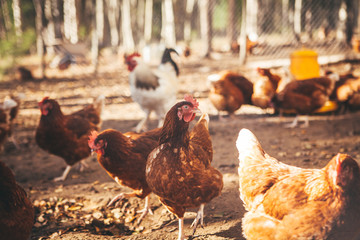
(287, 202)
(154, 90)
(179, 170)
(229, 91)
(123, 156)
(66, 135)
(16, 210)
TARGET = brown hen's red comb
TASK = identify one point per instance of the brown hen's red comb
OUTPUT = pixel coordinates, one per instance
(42, 101)
(189, 98)
(133, 55)
(93, 135)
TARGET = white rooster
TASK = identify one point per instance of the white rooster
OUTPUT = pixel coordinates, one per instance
(153, 89)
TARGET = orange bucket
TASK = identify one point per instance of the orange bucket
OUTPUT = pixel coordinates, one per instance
(304, 64)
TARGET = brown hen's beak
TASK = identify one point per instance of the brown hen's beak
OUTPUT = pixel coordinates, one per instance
(196, 110)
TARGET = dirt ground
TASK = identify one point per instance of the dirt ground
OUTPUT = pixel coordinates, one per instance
(76, 208)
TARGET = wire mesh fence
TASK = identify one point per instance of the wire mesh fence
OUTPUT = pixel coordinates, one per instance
(274, 28)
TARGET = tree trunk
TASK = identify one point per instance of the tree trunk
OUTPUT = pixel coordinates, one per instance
(6, 15)
(242, 54)
(231, 33)
(285, 16)
(297, 19)
(205, 7)
(70, 21)
(251, 16)
(350, 20)
(50, 30)
(100, 21)
(128, 40)
(187, 25)
(168, 32)
(148, 21)
(39, 38)
(17, 20)
(112, 7)
(94, 38)
(56, 17)
(140, 22)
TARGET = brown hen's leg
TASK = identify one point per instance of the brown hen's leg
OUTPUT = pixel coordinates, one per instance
(306, 123)
(199, 217)
(64, 175)
(82, 165)
(119, 197)
(294, 123)
(145, 210)
(181, 229)
(142, 124)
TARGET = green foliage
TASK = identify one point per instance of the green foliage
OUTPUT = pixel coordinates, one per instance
(220, 15)
(11, 46)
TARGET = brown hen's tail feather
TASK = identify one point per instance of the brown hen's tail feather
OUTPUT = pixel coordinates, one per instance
(99, 103)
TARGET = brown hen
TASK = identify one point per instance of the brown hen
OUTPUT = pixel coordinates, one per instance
(179, 170)
(265, 88)
(287, 202)
(66, 136)
(228, 91)
(305, 96)
(123, 156)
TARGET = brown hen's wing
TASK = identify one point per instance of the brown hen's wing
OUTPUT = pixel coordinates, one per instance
(92, 112)
(79, 126)
(153, 134)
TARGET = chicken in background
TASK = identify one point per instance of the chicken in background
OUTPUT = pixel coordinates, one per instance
(265, 88)
(153, 89)
(288, 202)
(24, 74)
(305, 96)
(8, 112)
(123, 156)
(16, 210)
(228, 91)
(66, 136)
(179, 170)
(347, 91)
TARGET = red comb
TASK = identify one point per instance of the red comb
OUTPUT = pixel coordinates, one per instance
(133, 55)
(189, 98)
(42, 101)
(93, 135)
